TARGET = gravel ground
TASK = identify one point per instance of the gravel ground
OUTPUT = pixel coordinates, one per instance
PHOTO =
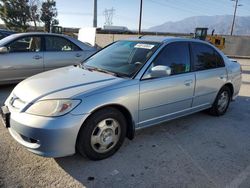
(195, 151)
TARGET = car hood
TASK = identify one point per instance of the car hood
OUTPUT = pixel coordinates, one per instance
(64, 82)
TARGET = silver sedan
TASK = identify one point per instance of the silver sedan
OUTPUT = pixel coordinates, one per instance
(26, 54)
(129, 85)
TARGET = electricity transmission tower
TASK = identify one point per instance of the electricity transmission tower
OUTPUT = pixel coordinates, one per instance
(235, 11)
(109, 13)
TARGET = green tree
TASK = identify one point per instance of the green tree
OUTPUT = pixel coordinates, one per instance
(15, 14)
(49, 14)
(34, 11)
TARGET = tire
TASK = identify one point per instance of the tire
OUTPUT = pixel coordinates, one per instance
(219, 108)
(102, 134)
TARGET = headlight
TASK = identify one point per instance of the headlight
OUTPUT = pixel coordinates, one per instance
(52, 108)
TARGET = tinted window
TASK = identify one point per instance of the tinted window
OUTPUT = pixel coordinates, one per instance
(25, 44)
(57, 44)
(176, 56)
(205, 57)
(219, 60)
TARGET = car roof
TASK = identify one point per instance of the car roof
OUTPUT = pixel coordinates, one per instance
(163, 39)
(38, 33)
(7, 31)
(82, 45)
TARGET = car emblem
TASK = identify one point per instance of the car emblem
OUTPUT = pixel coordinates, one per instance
(12, 99)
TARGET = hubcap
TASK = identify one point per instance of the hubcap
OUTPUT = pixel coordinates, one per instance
(105, 135)
(223, 101)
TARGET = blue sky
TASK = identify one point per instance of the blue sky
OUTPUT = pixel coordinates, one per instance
(78, 13)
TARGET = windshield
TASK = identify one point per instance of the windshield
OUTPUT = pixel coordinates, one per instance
(123, 58)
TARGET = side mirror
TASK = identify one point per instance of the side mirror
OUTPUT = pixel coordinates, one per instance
(160, 71)
(3, 50)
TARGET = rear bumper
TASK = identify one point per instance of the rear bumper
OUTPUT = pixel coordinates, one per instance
(46, 136)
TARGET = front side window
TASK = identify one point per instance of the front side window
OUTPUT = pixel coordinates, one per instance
(123, 57)
(59, 44)
(205, 57)
(25, 44)
(175, 56)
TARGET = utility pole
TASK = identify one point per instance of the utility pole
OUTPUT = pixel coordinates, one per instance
(95, 14)
(235, 11)
(140, 18)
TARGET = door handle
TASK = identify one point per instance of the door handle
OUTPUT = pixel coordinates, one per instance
(222, 77)
(188, 82)
(37, 57)
(78, 55)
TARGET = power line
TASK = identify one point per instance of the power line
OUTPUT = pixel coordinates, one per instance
(75, 13)
(172, 6)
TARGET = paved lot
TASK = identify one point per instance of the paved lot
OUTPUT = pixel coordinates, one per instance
(194, 151)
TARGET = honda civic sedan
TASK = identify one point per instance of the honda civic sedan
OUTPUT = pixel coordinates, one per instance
(26, 54)
(131, 84)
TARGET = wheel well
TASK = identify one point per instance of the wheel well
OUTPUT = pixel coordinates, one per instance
(129, 120)
(230, 86)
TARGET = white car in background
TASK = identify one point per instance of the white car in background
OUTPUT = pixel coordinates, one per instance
(26, 54)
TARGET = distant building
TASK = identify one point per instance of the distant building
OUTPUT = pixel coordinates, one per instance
(115, 29)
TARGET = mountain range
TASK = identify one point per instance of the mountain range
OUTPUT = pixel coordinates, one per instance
(221, 24)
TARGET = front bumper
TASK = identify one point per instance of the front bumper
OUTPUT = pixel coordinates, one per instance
(46, 136)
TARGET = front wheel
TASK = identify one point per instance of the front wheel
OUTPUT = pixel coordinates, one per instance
(221, 102)
(102, 134)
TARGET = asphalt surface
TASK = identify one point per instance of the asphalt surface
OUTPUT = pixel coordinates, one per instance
(195, 151)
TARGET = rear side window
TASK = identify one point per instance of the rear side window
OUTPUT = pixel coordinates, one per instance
(58, 44)
(205, 57)
(176, 56)
(219, 60)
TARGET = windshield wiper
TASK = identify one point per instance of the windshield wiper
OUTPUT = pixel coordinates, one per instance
(98, 70)
(104, 71)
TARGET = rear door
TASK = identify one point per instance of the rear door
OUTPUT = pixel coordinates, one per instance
(24, 59)
(210, 73)
(163, 98)
(60, 52)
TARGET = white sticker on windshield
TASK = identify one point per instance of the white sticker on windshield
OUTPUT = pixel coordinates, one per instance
(144, 46)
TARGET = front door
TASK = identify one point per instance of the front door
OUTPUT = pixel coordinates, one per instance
(24, 59)
(163, 98)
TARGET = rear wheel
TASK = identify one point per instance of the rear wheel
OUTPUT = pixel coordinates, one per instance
(102, 134)
(221, 102)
